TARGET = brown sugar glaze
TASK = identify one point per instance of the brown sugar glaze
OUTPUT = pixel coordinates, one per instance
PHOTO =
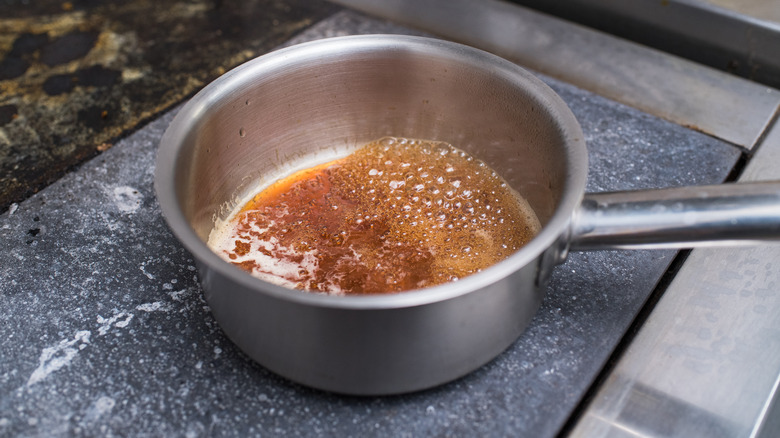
(395, 215)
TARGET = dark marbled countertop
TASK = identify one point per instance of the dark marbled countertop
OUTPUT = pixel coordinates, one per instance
(76, 76)
(105, 331)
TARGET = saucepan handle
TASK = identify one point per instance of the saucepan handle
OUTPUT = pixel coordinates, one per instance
(685, 217)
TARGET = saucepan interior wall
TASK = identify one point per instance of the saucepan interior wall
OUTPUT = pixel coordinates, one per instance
(271, 117)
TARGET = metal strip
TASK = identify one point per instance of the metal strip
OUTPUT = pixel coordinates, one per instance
(707, 361)
(672, 88)
(738, 36)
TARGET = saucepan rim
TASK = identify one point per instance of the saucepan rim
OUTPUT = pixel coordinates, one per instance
(276, 62)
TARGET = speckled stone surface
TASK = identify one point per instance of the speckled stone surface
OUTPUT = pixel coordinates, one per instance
(105, 331)
(77, 75)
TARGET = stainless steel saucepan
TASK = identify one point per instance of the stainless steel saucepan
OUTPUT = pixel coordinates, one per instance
(308, 104)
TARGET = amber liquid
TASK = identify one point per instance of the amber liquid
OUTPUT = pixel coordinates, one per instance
(395, 215)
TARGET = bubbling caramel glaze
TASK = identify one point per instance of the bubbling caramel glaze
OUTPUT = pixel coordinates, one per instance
(396, 215)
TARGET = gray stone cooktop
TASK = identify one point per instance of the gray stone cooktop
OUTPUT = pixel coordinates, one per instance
(105, 331)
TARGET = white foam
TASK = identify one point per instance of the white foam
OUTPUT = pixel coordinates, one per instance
(278, 270)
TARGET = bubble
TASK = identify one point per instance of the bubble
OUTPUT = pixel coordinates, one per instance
(441, 149)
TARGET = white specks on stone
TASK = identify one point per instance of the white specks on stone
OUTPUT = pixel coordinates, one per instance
(430, 410)
(12, 208)
(123, 324)
(177, 294)
(127, 199)
(106, 323)
(217, 352)
(195, 429)
(168, 286)
(154, 307)
(4, 422)
(98, 408)
(56, 357)
(143, 269)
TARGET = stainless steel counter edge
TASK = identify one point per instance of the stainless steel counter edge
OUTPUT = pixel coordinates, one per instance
(678, 90)
(742, 37)
(706, 363)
